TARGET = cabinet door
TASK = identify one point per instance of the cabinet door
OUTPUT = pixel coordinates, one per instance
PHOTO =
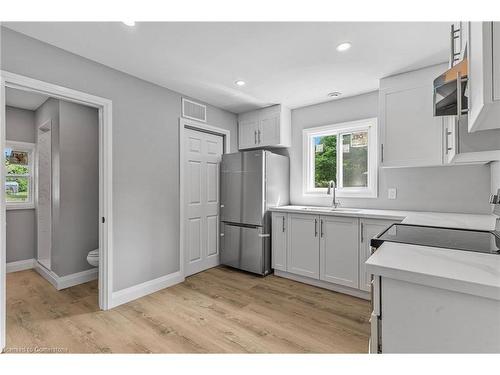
(278, 244)
(369, 228)
(303, 245)
(247, 137)
(450, 146)
(339, 250)
(411, 136)
(496, 60)
(269, 130)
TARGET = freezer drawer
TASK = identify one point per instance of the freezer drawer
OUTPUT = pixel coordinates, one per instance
(242, 187)
(245, 248)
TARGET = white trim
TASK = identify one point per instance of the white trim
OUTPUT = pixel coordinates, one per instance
(137, 291)
(369, 124)
(105, 179)
(226, 134)
(20, 265)
(323, 284)
(63, 282)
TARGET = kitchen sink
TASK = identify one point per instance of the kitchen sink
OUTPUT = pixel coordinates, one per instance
(346, 210)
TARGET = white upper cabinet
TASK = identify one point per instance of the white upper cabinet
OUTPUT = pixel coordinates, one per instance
(483, 50)
(339, 250)
(410, 135)
(266, 127)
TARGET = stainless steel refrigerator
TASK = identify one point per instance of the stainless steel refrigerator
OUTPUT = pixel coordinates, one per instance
(250, 183)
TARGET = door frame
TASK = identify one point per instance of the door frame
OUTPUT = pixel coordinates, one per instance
(104, 106)
(205, 128)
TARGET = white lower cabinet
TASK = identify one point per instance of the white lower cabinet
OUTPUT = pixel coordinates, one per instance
(278, 241)
(339, 250)
(368, 228)
(326, 248)
(303, 245)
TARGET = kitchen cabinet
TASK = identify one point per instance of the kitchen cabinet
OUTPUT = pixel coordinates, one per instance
(483, 50)
(266, 127)
(462, 147)
(279, 240)
(303, 245)
(248, 133)
(339, 250)
(368, 228)
(410, 135)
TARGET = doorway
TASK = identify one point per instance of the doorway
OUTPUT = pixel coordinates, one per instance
(201, 149)
(104, 110)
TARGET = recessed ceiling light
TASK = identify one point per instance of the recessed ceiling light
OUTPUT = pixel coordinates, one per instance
(129, 23)
(240, 83)
(334, 94)
(343, 46)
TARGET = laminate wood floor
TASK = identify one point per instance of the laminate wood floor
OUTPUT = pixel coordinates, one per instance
(216, 311)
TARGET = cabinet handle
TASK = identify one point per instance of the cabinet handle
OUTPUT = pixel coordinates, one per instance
(255, 137)
(283, 224)
(321, 228)
(382, 153)
(362, 235)
(315, 227)
(258, 133)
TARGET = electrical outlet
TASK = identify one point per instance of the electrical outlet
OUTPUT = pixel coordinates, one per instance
(391, 193)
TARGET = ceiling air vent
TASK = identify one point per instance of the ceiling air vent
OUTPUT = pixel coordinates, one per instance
(193, 110)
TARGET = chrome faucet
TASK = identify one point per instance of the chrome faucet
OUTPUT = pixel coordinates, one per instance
(331, 191)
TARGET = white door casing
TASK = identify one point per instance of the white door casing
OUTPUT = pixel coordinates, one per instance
(104, 106)
(202, 156)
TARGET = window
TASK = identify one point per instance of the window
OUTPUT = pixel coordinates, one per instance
(344, 153)
(19, 179)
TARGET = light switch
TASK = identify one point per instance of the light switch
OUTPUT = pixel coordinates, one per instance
(391, 193)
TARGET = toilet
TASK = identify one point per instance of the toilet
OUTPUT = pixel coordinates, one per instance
(93, 258)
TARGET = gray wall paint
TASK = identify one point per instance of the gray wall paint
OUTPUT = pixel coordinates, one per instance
(145, 147)
(20, 125)
(21, 235)
(446, 189)
(76, 231)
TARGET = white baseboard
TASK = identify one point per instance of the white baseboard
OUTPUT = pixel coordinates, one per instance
(63, 282)
(323, 284)
(77, 278)
(20, 265)
(137, 291)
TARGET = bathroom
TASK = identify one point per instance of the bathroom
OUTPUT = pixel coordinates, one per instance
(52, 189)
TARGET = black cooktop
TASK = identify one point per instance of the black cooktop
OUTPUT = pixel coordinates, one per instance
(449, 238)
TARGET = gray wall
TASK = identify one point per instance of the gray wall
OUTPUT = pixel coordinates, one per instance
(145, 148)
(495, 177)
(78, 226)
(446, 189)
(21, 229)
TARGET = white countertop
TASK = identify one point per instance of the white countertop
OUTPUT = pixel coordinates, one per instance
(462, 271)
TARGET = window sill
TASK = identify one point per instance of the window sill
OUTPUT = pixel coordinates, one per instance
(342, 194)
(20, 207)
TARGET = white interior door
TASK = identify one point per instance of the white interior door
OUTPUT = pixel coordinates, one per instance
(203, 152)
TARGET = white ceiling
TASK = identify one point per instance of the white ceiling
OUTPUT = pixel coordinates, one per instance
(24, 99)
(295, 63)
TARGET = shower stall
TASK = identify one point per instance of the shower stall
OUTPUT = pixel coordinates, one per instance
(44, 204)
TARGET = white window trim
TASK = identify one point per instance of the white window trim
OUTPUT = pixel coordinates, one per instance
(30, 148)
(369, 124)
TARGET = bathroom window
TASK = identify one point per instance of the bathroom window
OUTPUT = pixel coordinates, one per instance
(19, 176)
(344, 153)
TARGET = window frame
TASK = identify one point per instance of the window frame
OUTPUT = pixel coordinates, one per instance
(30, 148)
(370, 125)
